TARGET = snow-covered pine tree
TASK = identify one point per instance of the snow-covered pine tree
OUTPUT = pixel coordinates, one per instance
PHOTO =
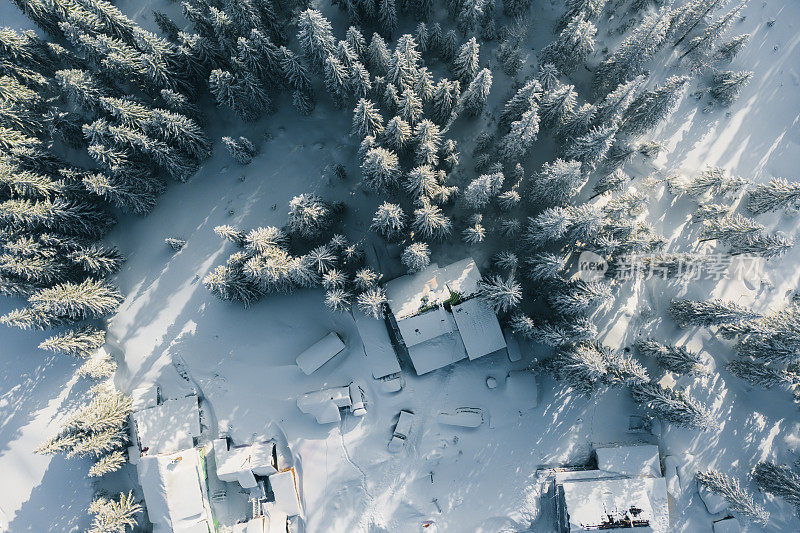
(703, 43)
(763, 375)
(673, 358)
(475, 233)
(557, 105)
(474, 97)
(421, 182)
(649, 108)
(499, 293)
(108, 463)
(531, 91)
(466, 62)
(242, 93)
(713, 181)
(114, 515)
(337, 80)
(616, 103)
(176, 245)
(295, 72)
(762, 244)
(449, 46)
(76, 301)
(397, 134)
(482, 189)
(80, 342)
(548, 226)
(338, 300)
(371, 301)
(430, 222)
(777, 194)
(231, 233)
(242, 150)
(628, 60)
(387, 17)
(673, 406)
(367, 119)
(778, 480)
(309, 215)
(381, 169)
(740, 501)
(728, 50)
(519, 140)
(558, 181)
(449, 155)
(572, 46)
(726, 85)
(428, 138)
(445, 98)
(613, 181)
(591, 149)
(543, 266)
(416, 256)
(315, 36)
(378, 56)
(389, 220)
(576, 298)
(506, 261)
(554, 334)
(713, 312)
(582, 366)
(410, 106)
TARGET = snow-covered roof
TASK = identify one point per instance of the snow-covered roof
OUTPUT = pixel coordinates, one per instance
(378, 348)
(407, 294)
(425, 326)
(287, 495)
(638, 502)
(168, 427)
(174, 491)
(479, 328)
(438, 352)
(319, 353)
(233, 462)
(639, 460)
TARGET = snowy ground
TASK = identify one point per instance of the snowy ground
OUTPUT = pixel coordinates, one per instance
(242, 361)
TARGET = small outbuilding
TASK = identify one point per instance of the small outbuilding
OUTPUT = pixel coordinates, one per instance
(240, 464)
(167, 427)
(287, 494)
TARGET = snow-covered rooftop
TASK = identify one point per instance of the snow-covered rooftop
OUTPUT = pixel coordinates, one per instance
(425, 326)
(287, 495)
(168, 427)
(174, 491)
(408, 294)
(641, 460)
(439, 351)
(378, 348)
(240, 463)
(479, 328)
(634, 504)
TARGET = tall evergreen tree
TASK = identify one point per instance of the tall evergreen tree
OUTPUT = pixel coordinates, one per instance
(739, 500)
(572, 47)
(474, 97)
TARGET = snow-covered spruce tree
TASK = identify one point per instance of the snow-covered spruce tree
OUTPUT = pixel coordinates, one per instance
(430, 223)
(387, 17)
(176, 245)
(231, 233)
(466, 62)
(673, 406)
(303, 272)
(506, 261)
(765, 376)
(416, 256)
(548, 226)
(520, 102)
(397, 134)
(583, 367)
(371, 301)
(70, 302)
(338, 300)
(229, 282)
(777, 194)
(558, 181)
(409, 106)
(381, 169)
(449, 155)
(576, 298)
(741, 502)
(501, 294)
(389, 220)
(708, 211)
(428, 138)
(649, 108)
(559, 334)
(421, 182)
(242, 150)
(80, 342)
(572, 46)
(702, 44)
(728, 50)
(475, 233)
(691, 15)
(591, 149)
(114, 515)
(557, 104)
(509, 199)
(366, 278)
(713, 312)
(612, 181)
(474, 98)
(778, 480)
(322, 258)
(309, 215)
(578, 122)
(611, 109)
(378, 55)
(543, 266)
(315, 36)
(263, 239)
(337, 80)
(628, 60)
(367, 119)
(108, 463)
(713, 181)
(445, 100)
(731, 229)
(482, 189)
(761, 244)
(97, 260)
(726, 85)
(242, 93)
(334, 279)
(519, 140)
(673, 358)
(623, 370)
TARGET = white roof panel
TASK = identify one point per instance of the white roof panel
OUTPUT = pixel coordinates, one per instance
(438, 352)
(479, 328)
(378, 348)
(425, 326)
(168, 427)
(287, 495)
(590, 502)
(174, 491)
(630, 460)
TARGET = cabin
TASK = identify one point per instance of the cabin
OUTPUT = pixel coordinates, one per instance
(625, 493)
(164, 427)
(175, 491)
(439, 320)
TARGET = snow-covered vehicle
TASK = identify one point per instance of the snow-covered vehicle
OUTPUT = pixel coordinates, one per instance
(465, 417)
(401, 431)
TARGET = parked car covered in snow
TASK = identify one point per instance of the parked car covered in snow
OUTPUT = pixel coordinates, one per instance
(401, 431)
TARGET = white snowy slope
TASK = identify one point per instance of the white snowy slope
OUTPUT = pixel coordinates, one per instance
(173, 332)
